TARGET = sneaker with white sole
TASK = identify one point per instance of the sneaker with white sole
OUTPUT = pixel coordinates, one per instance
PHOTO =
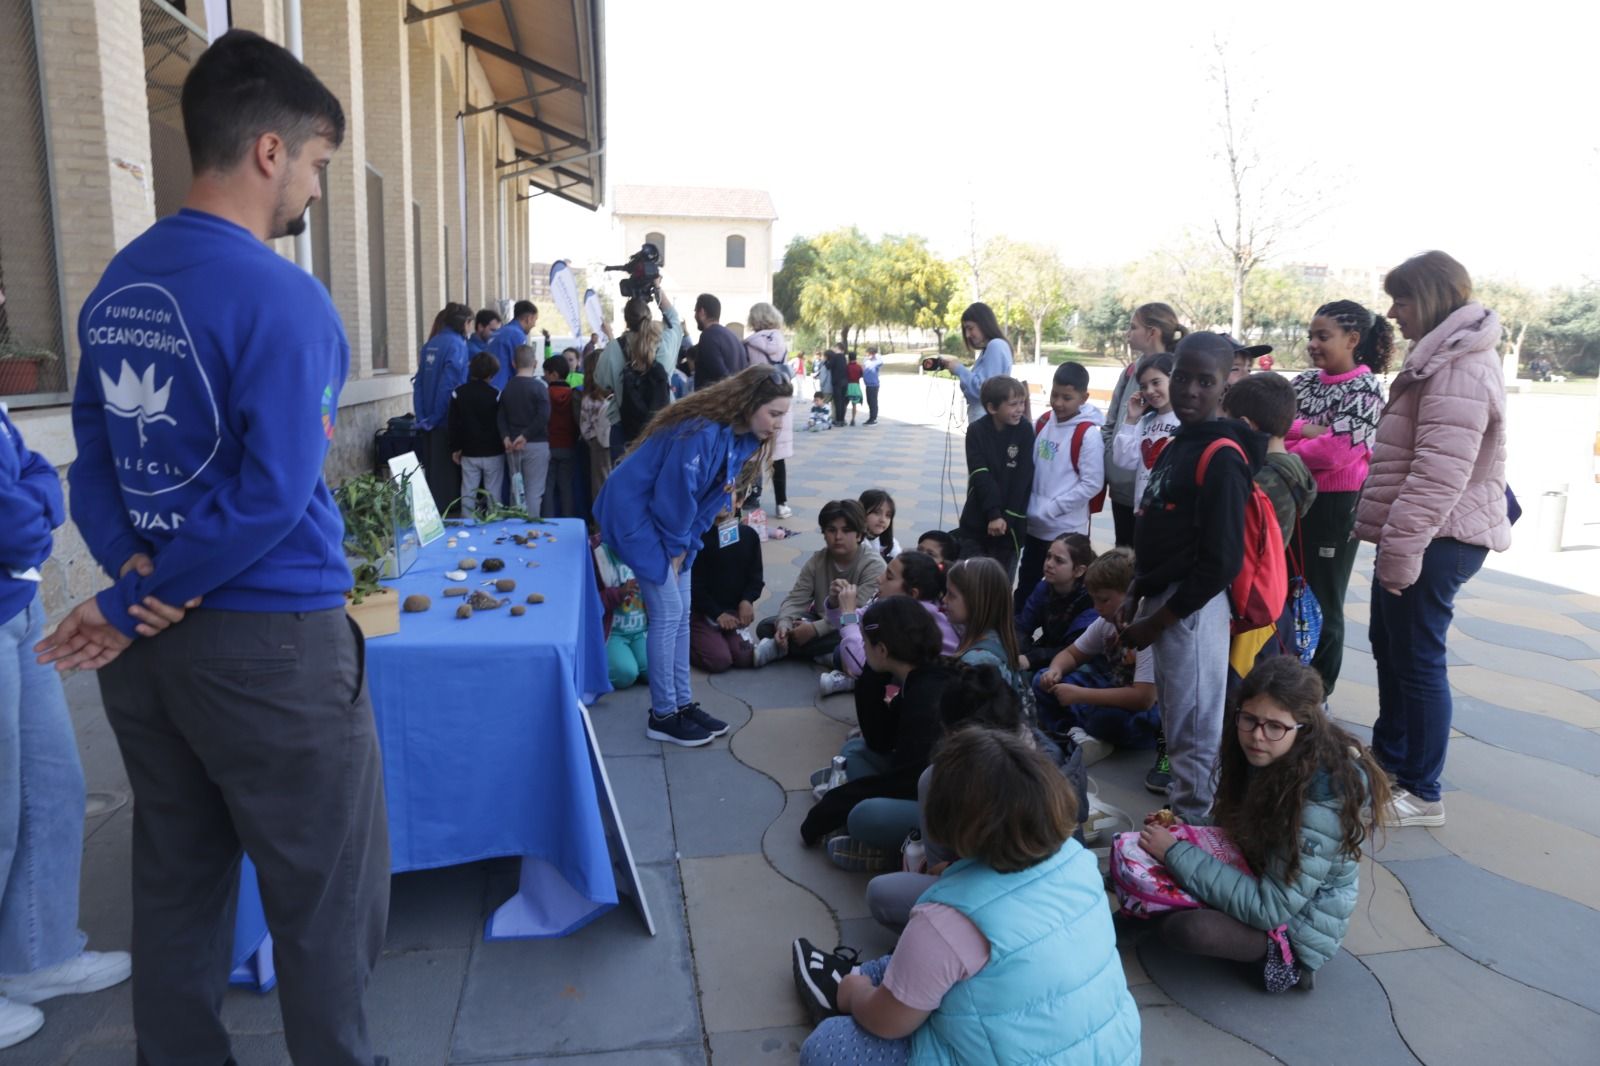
(18, 1021)
(676, 729)
(697, 714)
(1405, 809)
(1094, 749)
(836, 681)
(853, 856)
(1159, 779)
(767, 651)
(784, 511)
(88, 971)
(817, 975)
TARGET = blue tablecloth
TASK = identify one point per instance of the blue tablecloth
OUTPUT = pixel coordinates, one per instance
(484, 748)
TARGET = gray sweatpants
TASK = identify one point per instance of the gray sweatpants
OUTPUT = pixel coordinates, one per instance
(1192, 688)
(533, 463)
(252, 732)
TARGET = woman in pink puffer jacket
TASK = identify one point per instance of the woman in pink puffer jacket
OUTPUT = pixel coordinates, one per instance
(1435, 505)
(765, 345)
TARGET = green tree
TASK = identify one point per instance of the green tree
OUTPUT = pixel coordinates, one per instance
(1574, 329)
(799, 263)
(1029, 281)
(1521, 309)
(1101, 321)
(838, 295)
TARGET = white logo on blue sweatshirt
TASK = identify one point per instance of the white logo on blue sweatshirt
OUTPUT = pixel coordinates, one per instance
(162, 420)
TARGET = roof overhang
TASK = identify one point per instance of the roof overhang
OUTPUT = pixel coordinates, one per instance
(544, 61)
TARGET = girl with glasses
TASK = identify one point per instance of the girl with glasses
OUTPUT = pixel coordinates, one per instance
(1295, 795)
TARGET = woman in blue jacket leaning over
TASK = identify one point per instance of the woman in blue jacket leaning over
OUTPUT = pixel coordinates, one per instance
(686, 472)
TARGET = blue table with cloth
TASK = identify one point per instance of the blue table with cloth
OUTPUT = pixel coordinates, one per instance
(487, 749)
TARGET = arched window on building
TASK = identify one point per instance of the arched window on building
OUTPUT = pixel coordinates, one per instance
(660, 241)
(735, 251)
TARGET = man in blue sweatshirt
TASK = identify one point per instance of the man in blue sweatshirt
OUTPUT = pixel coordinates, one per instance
(511, 336)
(441, 369)
(484, 326)
(206, 399)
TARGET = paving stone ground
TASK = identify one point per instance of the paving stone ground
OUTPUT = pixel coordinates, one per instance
(1472, 943)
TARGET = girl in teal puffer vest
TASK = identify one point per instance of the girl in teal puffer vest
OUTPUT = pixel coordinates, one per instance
(1009, 956)
(1295, 794)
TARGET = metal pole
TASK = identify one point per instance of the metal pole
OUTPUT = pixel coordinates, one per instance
(292, 40)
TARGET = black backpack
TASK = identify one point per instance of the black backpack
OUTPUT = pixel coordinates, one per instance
(641, 396)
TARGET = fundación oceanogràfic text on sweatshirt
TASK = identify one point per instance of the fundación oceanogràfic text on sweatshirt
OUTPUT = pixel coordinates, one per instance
(206, 400)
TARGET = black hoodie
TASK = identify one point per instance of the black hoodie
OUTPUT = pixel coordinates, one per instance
(1192, 535)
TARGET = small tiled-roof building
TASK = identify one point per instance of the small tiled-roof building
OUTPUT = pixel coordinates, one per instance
(712, 240)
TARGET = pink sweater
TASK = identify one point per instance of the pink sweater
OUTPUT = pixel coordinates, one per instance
(1348, 404)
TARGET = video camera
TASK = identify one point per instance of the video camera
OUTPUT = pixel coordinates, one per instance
(930, 363)
(644, 271)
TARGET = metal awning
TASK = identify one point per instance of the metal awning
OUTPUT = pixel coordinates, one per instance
(544, 61)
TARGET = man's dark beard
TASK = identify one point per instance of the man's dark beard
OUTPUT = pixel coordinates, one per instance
(295, 226)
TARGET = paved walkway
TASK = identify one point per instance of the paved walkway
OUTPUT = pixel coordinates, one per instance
(1472, 944)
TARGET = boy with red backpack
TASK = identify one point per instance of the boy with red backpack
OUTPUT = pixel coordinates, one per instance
(1069, 477)
(1209, 556)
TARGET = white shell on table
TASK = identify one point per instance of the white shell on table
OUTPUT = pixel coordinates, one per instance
(456, 575)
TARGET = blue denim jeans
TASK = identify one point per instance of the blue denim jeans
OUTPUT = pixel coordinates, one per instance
(41, 806)
(840, 1040)
(667, 647)
(1412, 732)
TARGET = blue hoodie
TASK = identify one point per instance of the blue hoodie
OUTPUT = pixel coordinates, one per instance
(503, 346)
(205, 403)
(663, 497)
(30, 499)
(442, 368)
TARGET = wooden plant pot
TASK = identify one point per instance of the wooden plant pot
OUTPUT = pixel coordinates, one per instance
(378, 614)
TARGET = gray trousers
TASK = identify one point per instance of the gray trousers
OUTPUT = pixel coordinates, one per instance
(482, 482)
(252, 732)
(533, 463)
(1192, 688)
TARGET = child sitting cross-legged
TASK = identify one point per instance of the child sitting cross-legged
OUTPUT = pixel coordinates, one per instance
(977, 600)
(821, 414)
(1294, 794)
(1095, 692)
(1009, 957)
(724, 585)
(626, 625)
(1058, 609)
(801, 628)
(911, 574)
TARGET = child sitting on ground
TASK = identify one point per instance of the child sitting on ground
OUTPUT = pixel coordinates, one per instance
(879, 506)
(1009, 957)
(800, 627)
(1294, 794)
(725, 583)
(911, 574)
(821, 413)
(1095, 692)
(626, 625)
(1056, 610)
(941, 545)
(994, 518)
(897, 733)
(977, 600)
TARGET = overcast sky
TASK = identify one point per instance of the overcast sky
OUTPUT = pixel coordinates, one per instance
(1094, 126)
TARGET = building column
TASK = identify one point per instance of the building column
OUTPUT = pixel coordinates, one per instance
(427, 167)
(331, 30)
(386, 77)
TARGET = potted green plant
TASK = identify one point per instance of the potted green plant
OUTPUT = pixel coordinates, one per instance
(20, 366)
(377, 532)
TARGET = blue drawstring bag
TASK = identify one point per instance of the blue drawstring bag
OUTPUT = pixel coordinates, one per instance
(1307, 613)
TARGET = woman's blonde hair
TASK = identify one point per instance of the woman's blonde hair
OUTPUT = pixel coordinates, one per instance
(639, 344)
(764, 316)
(1164, 320)
(729, 401)
(1435, 284)
(983, 584)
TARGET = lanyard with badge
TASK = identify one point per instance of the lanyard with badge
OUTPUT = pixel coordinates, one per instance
(728, 531)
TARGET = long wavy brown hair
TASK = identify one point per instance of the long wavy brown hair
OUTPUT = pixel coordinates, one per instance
(1260, 808)
(729, 401)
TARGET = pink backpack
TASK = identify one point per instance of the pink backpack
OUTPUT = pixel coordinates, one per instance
(1145, 887)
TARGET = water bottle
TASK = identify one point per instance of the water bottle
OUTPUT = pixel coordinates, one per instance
(914, 856)
(836, 776)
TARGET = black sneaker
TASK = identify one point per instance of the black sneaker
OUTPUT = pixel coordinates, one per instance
(817, 974)
(696, 714)
(1160, 776)
(676, 729)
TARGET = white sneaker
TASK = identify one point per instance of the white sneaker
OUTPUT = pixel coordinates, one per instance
(836, 681)
(766, 651)
(1405, 809)
(1094, 749)
(784, 511)
(89, 972)
(18, 1021)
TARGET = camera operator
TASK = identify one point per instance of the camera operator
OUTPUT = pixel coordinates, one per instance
(981, 332)
(608, 370)
(720, 353)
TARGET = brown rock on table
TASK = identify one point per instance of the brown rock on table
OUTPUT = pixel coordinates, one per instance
(535, 597)
(456, 590)
(467, 564)
(464, 611)
(416, 603)
(505, 584)
(493, 563)
(518, 610)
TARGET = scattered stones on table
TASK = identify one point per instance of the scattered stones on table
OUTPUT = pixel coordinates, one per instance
(456, 590)
(517, 610)
(416, 603)
(467, 564)
(535, 597)
(493, 563)
(482, 601)
(505, 584)
(464, 611)
(456, 575)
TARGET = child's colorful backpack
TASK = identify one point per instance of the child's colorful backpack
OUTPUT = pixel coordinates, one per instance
(1099, 501)
(1261, 588)
(1145, 887)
